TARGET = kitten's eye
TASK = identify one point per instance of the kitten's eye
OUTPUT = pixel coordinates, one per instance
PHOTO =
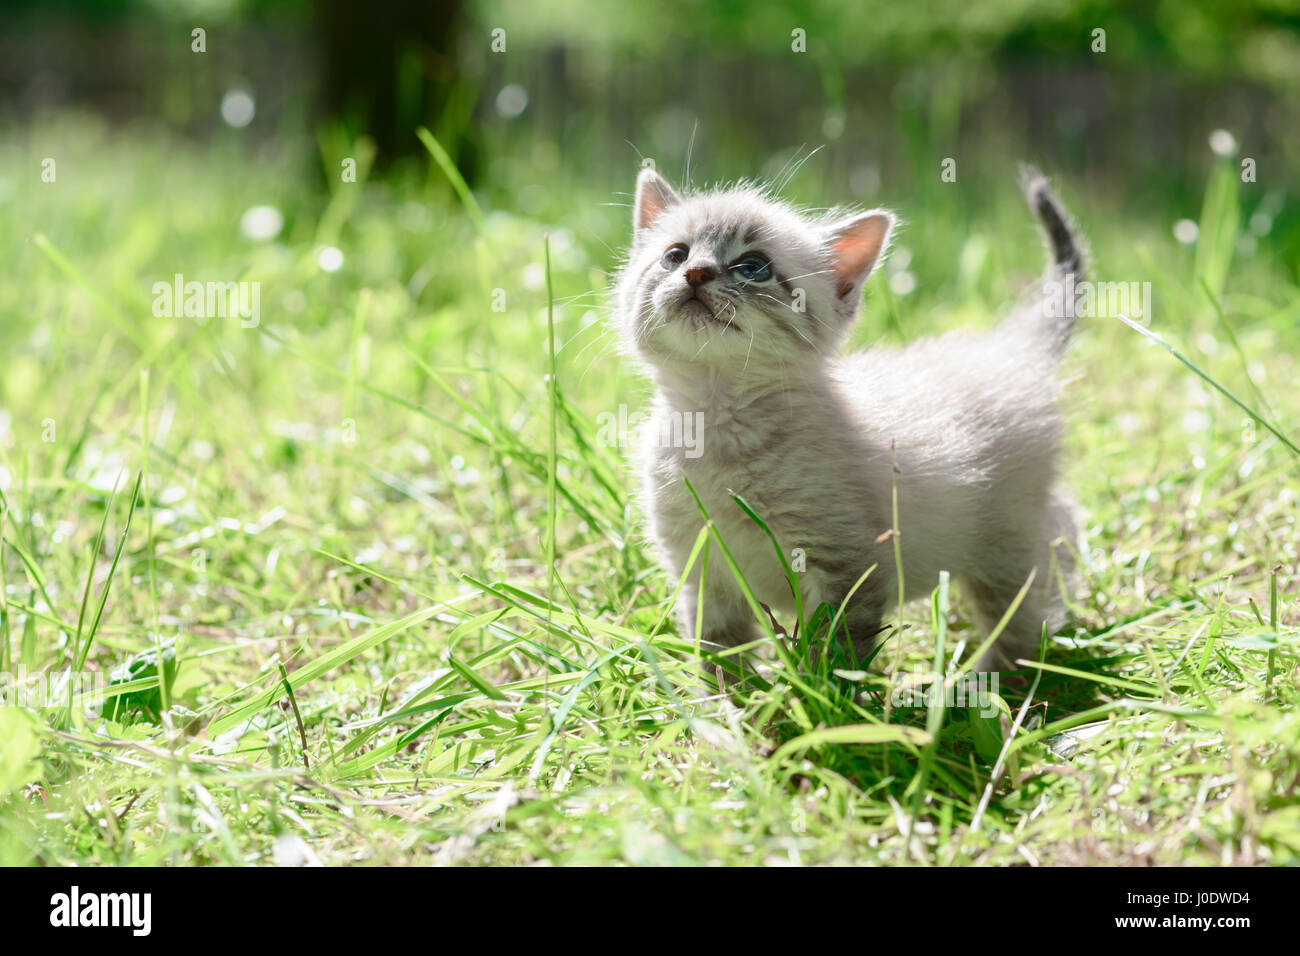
(674, 257)
(753, 267)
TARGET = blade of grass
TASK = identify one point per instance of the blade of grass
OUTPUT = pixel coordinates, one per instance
(457, 180)
(1011, 736)
(323, 664)
(1210, 380)
(853, 734)
(938, 699)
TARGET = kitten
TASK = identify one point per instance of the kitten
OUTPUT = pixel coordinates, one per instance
(737, 304)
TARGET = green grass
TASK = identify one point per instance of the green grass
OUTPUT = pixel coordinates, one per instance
(343, 537)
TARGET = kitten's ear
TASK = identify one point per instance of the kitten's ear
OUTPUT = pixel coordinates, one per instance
(653, 196)
(856, 245)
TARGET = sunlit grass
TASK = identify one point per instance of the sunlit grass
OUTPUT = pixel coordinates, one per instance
(346, 517)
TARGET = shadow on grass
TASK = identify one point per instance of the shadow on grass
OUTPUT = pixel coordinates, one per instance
(835, 720)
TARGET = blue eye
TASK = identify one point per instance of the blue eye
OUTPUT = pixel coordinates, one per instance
(674, 257)
(753, 268)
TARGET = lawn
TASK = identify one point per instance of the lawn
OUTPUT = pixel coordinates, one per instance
(397, 576)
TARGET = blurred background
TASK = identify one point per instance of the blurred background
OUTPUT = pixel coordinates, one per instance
(277, 140)
(528, 94)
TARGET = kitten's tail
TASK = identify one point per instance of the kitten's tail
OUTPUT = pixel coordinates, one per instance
(1066, 264)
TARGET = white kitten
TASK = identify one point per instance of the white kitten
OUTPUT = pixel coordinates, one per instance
(737, 305)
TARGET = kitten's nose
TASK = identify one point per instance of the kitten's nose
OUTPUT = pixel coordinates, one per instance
(698, 275)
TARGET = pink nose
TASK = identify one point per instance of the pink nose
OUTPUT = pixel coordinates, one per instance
(699, 275)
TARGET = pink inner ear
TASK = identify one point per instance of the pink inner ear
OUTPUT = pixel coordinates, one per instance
(654, 195)
(652, 204)
(856, 250)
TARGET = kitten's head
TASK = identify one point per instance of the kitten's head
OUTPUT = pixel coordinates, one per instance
(734, 280)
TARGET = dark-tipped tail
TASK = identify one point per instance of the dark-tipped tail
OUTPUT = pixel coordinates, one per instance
(1066, 265)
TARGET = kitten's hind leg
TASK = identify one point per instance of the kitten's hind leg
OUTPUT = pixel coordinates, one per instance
(1022, 634)
(1043, 602)
(861, 624)
(861, 619)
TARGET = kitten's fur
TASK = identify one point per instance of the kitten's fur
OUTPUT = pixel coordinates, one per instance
(809, 437)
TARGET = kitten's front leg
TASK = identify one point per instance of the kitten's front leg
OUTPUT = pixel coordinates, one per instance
(722, 611)
(726, 618)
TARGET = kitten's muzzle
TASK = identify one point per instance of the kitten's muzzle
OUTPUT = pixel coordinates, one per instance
(703, 308)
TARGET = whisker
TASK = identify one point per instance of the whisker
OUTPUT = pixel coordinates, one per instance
(768, 295)
(819, 272)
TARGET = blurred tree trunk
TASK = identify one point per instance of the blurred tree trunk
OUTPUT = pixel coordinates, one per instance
(390, 66)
